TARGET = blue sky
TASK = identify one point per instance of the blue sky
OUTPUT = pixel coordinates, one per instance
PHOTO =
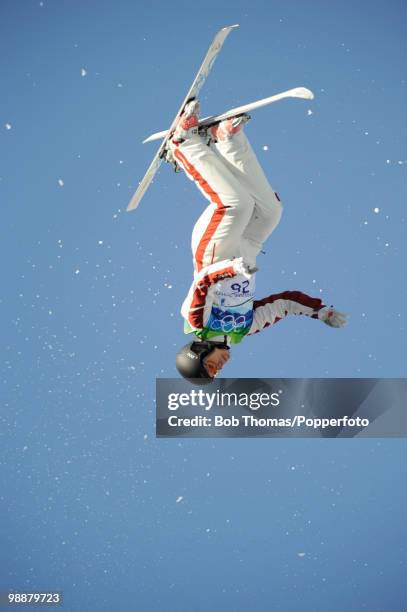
(91, 297)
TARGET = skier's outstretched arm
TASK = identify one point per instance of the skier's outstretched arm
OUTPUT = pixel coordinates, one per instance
(272, 309)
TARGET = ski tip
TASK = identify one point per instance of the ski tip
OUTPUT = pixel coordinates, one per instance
(302, 92)
(308, 94)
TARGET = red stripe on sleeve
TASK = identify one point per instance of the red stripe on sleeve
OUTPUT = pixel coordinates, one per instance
(294, 296)
(196, 308)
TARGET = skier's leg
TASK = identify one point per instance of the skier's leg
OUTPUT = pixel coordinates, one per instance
(217, 234)
(238, 155)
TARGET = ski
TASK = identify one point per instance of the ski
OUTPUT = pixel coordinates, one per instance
(196, 86)
(297, 92)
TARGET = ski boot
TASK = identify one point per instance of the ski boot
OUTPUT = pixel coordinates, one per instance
(186, 127)
(226, 129)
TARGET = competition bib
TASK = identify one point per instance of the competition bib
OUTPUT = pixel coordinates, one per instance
(232, 310)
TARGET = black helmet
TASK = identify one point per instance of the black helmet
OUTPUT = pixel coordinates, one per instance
(189, 360)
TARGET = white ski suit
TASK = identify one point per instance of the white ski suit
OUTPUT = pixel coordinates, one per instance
(243, 211)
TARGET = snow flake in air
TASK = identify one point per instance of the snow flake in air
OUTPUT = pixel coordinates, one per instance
(376, 210)
(77, 272)
(301, 554)
(8, 126)
(309, 112)
(61, 182)
(179, 499)
(265, 148)
(83, 72)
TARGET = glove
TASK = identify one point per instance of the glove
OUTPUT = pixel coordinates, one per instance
(332, 317)
(240, 267)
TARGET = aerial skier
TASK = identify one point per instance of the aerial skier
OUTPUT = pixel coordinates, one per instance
(220, 309)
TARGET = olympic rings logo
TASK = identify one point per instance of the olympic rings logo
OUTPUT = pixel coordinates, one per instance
(229, 323)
